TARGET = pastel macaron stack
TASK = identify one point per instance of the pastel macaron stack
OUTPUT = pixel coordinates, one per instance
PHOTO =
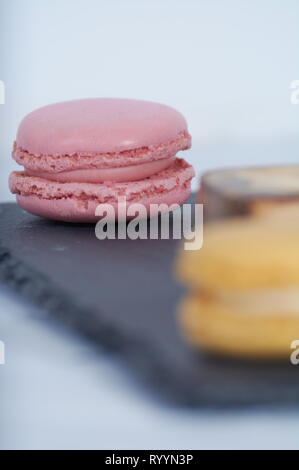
(79, 154)
(244, 287)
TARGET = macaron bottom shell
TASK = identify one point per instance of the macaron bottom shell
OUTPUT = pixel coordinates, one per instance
(238, 332)
(74, 210)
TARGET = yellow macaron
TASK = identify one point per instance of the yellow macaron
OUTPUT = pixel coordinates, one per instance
(244, 287)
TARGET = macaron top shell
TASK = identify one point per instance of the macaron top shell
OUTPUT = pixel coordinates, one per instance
(98, 125)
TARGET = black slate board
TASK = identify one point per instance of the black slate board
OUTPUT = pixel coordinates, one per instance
(122, 294)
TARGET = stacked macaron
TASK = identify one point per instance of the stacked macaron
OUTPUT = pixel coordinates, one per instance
(79, 154)
(244, 298)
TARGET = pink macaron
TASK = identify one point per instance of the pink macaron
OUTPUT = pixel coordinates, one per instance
(79, 154)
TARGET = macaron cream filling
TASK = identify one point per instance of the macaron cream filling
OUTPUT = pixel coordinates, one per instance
(101, 175)
(260, 301)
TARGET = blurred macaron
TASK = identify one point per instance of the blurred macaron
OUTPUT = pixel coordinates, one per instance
(243, 298)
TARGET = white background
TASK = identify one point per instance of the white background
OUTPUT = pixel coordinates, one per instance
(227, 65)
